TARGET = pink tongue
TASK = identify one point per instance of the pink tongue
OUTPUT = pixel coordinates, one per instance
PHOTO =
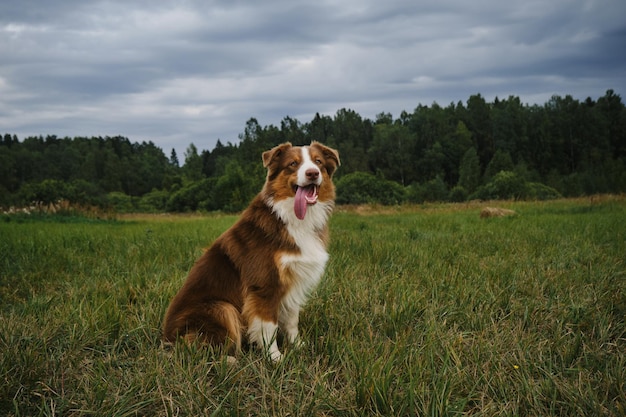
(300, 200)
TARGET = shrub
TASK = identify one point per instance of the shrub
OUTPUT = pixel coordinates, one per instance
(50, 191)
(235, 188)
(509, 185)
(154, 201)
(457, 194)
(364, 188)
(120, 202)
(190, 197)
(46, 191)
(538, 191)
(433, 190)
(504, 185)
(85, 193)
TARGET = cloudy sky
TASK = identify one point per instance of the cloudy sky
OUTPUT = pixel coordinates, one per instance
(177, 72)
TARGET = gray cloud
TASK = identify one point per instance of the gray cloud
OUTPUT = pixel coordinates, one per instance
(195, 71)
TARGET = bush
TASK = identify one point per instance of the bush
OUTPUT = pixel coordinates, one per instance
(85, 193)
(509, 185)
(366, 188)
(46, 191)
(504, 185)
(120, 202)
(230, 192)
(50, 191)
(154, 201)
(235, 188)
(538, 191)
(190, 197)
(457, 194)
(433, 190)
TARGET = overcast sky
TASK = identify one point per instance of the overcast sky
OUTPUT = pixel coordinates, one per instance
(177, 72)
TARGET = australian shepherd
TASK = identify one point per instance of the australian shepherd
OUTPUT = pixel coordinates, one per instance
(258, 274)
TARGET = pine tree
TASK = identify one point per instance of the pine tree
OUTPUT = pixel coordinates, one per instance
(192, 170)
(174, 158)
(501, 161)
(469, 171)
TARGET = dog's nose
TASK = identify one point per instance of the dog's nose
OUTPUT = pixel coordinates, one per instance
(312, 174)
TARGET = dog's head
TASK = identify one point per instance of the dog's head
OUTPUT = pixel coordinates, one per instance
(301, 172)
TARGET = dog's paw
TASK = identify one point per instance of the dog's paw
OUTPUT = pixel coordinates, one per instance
(298, 343)
(275, 356)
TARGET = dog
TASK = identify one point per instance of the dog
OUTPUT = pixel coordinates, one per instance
(254, 279)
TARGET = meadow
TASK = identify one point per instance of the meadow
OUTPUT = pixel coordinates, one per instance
(423, 310)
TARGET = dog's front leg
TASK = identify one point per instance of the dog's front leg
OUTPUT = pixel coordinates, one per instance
(263, 334)
(288, 318)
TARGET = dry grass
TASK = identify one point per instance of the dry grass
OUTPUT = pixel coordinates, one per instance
(495, 212)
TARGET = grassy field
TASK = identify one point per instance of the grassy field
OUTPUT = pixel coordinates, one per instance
(423, 311)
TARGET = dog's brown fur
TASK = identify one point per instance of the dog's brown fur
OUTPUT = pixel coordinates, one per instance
(241, 276)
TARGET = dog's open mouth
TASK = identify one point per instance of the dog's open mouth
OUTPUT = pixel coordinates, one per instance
(305, 196)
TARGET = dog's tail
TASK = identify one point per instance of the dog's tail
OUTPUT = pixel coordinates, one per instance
(218, 324)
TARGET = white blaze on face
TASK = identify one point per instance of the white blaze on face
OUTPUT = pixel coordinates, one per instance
(307, 163)
(307, 190)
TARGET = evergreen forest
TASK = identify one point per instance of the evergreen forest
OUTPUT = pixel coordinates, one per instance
(503, 149)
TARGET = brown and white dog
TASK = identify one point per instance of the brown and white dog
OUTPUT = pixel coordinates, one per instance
(257, 275)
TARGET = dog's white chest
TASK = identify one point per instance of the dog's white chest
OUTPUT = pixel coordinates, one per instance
(307, 266)
(305, 271)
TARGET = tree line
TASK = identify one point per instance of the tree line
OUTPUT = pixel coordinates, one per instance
(474, 150)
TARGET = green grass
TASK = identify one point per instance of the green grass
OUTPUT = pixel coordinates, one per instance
(423, 311)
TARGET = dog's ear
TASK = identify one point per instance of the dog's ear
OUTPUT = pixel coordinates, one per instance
(274, 153)
(331, 156)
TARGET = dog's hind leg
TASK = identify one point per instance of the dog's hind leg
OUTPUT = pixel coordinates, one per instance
(229, 319)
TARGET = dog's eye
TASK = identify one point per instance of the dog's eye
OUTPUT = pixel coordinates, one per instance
(318, 161)
(293, 164)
